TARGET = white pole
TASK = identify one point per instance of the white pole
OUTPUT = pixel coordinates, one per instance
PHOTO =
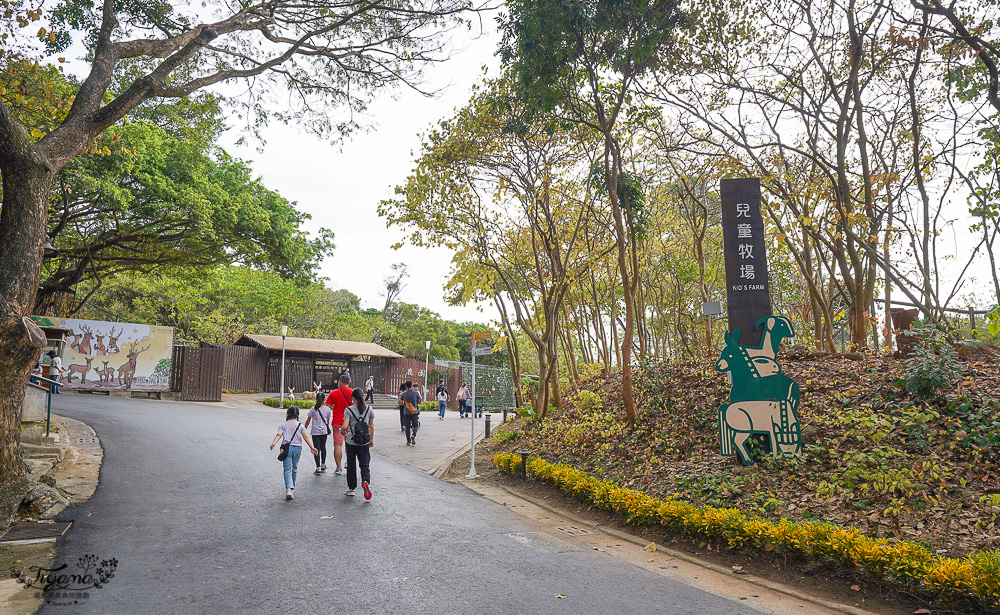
(472, 467)
(427, 359)
(282, 370)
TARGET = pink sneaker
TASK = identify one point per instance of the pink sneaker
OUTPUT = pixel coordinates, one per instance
(368, 491)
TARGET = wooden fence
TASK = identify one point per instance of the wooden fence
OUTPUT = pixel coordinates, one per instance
(245, 369)
(298, 374)
(402, 370)
(201, 372)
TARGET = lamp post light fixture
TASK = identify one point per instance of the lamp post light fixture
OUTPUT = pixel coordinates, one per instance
(284, 333)
(427, 364)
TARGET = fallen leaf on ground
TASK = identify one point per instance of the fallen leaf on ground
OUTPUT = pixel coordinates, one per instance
(856, 588)
(651, 547)
(559, 595)
(330, 517)
(739, 570)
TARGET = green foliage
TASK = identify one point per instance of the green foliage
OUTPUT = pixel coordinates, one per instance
(977, 426)
(428, 406)
(557, 49)
(934, 363)
(504, 436)
(158, 194)
(220, 304)
(275, 402)
(993, 322)
(413, 325)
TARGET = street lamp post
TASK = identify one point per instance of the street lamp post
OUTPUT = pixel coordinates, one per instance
(427, 364)
(284, 332)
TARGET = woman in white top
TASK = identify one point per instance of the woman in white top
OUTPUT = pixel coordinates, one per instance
(291, 432)
(442, 401)
(320, 417)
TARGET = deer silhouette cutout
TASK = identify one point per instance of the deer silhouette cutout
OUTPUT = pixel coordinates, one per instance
(82, 370)
(127, 371)
(762, 399)
(101, 350)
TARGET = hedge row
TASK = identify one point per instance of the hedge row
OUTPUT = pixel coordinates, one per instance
(975, 577)
(275, 402)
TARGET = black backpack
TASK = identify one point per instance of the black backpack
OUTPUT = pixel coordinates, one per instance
(360, 434)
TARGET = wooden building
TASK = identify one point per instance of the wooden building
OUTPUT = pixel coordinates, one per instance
(309, 360)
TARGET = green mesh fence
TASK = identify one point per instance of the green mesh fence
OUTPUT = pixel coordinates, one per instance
(494, 387)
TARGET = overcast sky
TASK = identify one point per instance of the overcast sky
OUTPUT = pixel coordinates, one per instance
(341, 186)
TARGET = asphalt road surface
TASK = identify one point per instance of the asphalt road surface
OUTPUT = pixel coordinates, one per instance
(191, 505)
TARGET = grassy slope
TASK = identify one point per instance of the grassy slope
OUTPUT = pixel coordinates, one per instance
(875, 459)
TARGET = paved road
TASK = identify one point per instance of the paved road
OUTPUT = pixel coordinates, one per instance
(191, 504)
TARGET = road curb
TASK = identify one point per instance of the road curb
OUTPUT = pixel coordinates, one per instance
(749, 578)
(442, 468)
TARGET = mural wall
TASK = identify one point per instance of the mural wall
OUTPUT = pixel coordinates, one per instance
(113, 355)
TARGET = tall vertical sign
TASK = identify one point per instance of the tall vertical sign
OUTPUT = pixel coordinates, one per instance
(747, 291)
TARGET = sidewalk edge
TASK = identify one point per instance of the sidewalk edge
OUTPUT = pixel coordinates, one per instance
(749, 578)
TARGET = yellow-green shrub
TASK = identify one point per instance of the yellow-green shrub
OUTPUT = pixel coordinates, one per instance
(975, 577)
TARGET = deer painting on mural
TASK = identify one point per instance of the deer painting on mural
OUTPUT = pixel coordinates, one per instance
(127, 371)
(113, 341)
(762, 400)
(75, 344)
(88, 336)
(82, 370)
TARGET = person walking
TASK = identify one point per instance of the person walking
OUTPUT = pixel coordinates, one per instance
(411, 399)
(339, 399)
(56, 371)
(402, 407)
(442, 395)
(359, 440)
(320, 417)
(463, 399)
(291, 433)
(370, 390)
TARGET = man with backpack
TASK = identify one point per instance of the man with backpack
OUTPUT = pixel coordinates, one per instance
(338, 400)
(411, 412)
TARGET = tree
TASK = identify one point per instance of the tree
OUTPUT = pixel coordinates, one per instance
(218, 304)
(413, 326)
(319, 56)
(394, 285)
(582, 60)
(511, 196)
(162, 201)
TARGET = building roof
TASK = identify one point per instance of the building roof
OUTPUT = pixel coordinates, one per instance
(308, 344)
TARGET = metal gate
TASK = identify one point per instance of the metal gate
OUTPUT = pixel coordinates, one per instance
(202, 372)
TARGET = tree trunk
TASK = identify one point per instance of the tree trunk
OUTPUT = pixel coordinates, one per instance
(26, 187)
(628, 292)
(542, 397)
(554, 378)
